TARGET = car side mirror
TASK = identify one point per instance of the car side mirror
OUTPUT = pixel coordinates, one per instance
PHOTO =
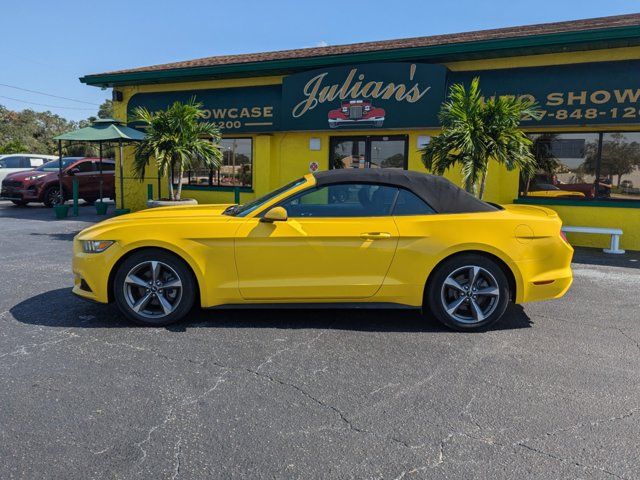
(73, 171)
(276, 214)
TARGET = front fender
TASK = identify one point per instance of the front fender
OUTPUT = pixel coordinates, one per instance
(196, 264)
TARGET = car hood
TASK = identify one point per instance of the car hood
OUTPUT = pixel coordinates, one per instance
(161, 215)
(183, 211)
(22, 176)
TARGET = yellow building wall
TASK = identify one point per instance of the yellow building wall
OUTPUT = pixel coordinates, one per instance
(626, 218)
(283, 156)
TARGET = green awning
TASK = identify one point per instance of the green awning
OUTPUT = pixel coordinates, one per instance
(103, 130)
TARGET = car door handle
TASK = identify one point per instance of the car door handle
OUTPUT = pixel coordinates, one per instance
(375, 235)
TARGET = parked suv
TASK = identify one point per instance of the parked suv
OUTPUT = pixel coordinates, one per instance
(21, 162)
(42, 185)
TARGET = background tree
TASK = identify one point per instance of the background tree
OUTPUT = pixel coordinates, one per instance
(32, 132)
(106, 109)
(619, 157)
(13, 146)
(177, 140)
(475, 131)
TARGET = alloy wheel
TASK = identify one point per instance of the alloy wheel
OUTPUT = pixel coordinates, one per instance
(53, 196)
(152, 289)
(470, 294)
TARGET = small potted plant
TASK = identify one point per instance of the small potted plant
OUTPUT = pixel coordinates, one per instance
(177, 140)
(61, 210)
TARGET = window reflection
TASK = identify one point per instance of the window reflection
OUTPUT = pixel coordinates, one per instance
(235, 169)
(620, 166)
(577, 166)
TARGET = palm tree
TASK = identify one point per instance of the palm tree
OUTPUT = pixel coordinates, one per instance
(176, 140)
(475, 131)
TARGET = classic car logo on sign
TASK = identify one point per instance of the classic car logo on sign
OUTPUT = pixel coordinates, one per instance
(356, 111)
(397, 95)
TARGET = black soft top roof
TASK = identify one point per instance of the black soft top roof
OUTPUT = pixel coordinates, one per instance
(442, 195)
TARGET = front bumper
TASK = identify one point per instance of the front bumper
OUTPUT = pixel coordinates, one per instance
(351, 121)
(91, 272)
(20, 194)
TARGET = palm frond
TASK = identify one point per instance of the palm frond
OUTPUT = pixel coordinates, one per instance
(475, 131)
(176, 138)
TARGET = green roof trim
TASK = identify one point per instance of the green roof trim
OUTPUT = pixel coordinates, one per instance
(532, 44)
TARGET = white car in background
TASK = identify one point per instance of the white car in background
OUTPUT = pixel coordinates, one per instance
(19, 162)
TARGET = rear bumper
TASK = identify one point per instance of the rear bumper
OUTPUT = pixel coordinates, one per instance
(547, 278)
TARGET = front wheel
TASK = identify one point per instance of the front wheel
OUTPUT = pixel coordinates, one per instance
(154, 288)
(468, 292)
(52, 196)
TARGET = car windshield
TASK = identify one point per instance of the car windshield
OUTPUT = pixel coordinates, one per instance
(54, 165)
(247, 208)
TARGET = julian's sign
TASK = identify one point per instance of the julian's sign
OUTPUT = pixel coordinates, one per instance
(392, 95)
(410, 95)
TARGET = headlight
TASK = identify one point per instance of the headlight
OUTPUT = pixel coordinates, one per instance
(96, 246)
(36, 177)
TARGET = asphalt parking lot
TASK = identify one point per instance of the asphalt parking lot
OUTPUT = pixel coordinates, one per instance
(552, 392)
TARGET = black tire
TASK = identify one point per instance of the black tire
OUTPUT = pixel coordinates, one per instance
(19, 203)
(51, 196)
(89, 201)
(151, 314)
(459, 270)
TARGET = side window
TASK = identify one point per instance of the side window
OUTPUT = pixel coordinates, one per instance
(34, 162)
(343, 200)
(12, 162)
(84, 167)
(106, 167)
(408, 203)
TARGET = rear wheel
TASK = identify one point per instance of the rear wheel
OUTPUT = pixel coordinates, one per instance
(468, 292)
(155, 288)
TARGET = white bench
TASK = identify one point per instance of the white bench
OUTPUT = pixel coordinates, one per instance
(614, 232)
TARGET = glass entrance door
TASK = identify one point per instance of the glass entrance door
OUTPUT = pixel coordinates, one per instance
(389, 151)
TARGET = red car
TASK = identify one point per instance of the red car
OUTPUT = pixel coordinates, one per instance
(356, 112)
(42, 185)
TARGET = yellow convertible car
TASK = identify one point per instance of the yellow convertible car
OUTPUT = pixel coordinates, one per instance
(366, 238)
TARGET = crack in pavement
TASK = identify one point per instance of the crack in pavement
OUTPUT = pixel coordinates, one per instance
(23, 349)
(177, 461)
(308, 343)
(593, 423)
(629, 337)
(570, 461)
(171, 414)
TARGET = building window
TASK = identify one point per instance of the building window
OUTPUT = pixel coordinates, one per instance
(585, 166)
(236, 169)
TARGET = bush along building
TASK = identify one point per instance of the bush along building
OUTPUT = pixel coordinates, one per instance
(374, 105)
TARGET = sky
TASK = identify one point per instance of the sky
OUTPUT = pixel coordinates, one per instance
(46, 46)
